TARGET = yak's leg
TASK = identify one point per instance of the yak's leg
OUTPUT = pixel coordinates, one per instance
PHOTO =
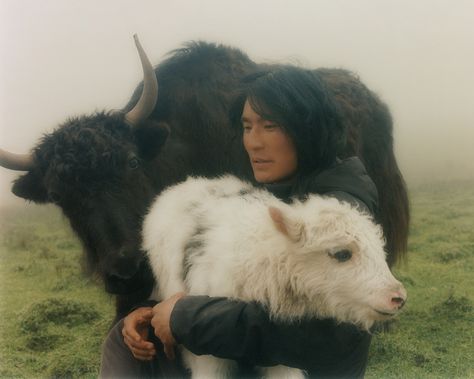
(282, 372)
(207, 366)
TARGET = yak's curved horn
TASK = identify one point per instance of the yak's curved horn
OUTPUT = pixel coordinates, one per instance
(18, 162)
(147, 100)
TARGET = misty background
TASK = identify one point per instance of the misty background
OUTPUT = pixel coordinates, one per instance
(63, 58)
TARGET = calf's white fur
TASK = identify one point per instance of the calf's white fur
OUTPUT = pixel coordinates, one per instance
(223, 237)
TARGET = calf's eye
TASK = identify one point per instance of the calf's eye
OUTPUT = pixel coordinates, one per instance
(342, 255)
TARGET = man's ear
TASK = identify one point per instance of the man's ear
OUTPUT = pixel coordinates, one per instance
(150, 138)
(289, 226)
(30, 187)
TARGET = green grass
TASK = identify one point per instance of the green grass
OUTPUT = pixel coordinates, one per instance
(54, 318)
(434, 336)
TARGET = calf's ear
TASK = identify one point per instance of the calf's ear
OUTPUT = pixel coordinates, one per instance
(289, 226)
(30, 187)
(150, 137)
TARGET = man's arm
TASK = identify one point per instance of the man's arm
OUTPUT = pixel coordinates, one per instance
(243, 331)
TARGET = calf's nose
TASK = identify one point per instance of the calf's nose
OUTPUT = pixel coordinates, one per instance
(398, 302)
(398, 298)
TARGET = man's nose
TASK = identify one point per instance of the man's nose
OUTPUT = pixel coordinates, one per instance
(254, 140)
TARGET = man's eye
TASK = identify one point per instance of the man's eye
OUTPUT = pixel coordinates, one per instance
(271, 126)
(246, 128)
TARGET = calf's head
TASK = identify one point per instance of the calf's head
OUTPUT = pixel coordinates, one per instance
(98, 170)
(339, 262)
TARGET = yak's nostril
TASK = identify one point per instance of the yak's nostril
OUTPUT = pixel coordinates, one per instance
(124, 267)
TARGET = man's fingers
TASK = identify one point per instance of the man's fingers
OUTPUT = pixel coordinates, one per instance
(142, 357)
(143, 350)
(132, 334)
(139, 345)
(143, 354)
(147, 315)
(142, 345)
(130, 330)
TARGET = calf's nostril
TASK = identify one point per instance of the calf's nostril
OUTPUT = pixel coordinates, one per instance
(398, 302)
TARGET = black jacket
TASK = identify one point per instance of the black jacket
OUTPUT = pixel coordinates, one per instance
(243, 331)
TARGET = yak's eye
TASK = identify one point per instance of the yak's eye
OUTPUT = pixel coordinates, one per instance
(342, 255)
(54, 197)
(133, 163)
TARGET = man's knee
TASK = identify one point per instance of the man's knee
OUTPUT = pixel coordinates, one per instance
(117, 360)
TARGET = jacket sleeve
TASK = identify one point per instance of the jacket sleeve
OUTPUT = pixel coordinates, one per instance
(243, 331)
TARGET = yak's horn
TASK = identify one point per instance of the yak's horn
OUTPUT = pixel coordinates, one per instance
(19, 162)
(147, 100)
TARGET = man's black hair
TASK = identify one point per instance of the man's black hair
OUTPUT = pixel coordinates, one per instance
(298, 101)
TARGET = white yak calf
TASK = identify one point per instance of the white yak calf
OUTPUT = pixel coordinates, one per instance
(223, 237)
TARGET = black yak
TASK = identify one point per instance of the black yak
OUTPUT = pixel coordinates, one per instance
(103, 170)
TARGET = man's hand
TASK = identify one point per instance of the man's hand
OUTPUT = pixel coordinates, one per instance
(161, 323)
(135, 332)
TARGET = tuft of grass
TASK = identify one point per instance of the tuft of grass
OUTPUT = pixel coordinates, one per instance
(454, 309)
(43, 341)
(71, 367)
(40, 315)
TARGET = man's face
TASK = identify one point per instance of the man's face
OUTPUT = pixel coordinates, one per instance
(271, 151)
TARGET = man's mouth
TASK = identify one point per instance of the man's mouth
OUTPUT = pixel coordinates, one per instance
(261, 161)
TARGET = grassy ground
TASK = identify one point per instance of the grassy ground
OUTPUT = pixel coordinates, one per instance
(434, 336)
(54, 318)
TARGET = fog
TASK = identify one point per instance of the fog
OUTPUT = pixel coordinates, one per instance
(63, 58)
